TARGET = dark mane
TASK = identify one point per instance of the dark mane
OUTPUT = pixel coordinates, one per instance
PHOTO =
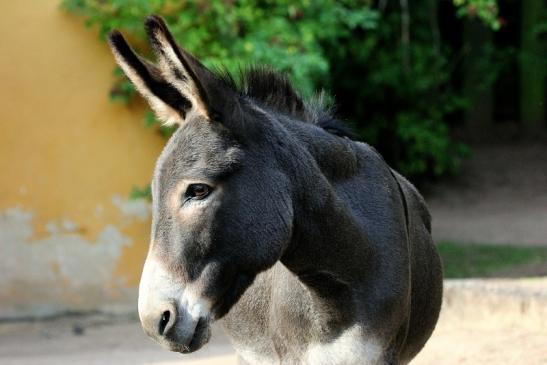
(275, 91)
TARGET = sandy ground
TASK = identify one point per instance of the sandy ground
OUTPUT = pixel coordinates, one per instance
(483, 322)
(53, 343)
(467, 345)
(500, 197)
(103, 341)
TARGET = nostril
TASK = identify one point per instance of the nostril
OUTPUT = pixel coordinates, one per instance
(164, 321)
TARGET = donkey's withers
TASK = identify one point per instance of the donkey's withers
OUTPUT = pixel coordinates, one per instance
(266, 215)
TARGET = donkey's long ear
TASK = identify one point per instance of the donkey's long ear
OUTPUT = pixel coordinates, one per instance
(181, 85)
(169, 104)
(182, 70)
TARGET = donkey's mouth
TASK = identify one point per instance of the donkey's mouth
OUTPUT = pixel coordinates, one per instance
(201, 336)
(185, 345)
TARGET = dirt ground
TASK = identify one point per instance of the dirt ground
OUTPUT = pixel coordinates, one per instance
(483, 322)
(123, 343)
(97, 340)
(499, 197)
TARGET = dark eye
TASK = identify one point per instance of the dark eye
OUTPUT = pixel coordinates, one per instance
(197, 191)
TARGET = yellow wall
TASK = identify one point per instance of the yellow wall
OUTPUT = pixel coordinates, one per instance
(68, 159)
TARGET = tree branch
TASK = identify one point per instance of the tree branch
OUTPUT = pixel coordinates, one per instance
(405, 34)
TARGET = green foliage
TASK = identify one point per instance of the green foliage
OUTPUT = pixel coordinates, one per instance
(485, 10)
(395, 89)
(480, 260)
(228, 34)
(403, 97)
(141, 193)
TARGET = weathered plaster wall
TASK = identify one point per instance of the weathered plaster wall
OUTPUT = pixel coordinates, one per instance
(69, 238)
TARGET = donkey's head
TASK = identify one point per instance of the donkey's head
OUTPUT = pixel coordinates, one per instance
(222, 209)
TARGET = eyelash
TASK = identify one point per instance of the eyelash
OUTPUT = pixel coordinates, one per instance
(193, 192)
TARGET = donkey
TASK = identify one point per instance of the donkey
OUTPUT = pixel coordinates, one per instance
(268, 216)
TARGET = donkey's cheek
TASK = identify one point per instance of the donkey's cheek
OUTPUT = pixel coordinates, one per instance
(192, 213)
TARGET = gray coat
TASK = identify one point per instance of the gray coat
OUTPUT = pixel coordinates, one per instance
(271, 218)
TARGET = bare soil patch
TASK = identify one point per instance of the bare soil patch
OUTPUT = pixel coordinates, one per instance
(482, 322)
(500, 197)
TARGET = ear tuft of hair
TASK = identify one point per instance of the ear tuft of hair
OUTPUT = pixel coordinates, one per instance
(114, 37)
(153, 22)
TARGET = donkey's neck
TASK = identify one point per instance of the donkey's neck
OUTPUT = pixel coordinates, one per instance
(328, 250)
(336, 157)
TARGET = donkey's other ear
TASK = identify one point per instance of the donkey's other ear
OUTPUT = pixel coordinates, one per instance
(208, 95)
(169, 104)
